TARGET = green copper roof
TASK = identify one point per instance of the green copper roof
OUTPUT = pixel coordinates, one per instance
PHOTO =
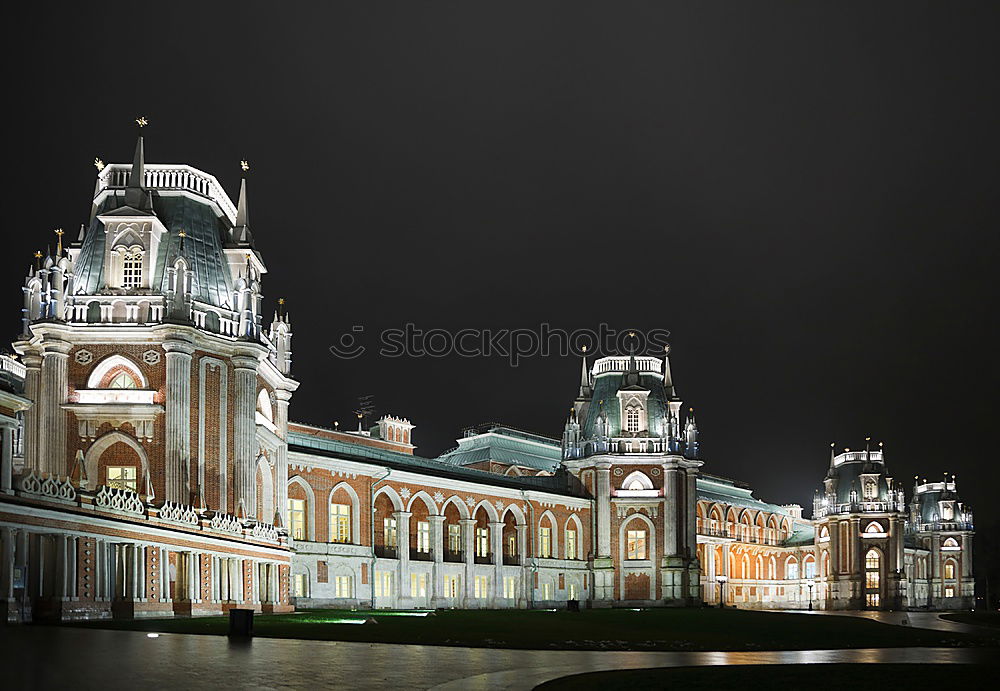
(507, 446)
(334, 448)
(202, 248)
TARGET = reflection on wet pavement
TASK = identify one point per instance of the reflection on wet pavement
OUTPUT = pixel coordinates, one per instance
(79, 659)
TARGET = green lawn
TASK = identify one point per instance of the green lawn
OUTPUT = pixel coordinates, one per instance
(654, 629)
(979, 618)
(768, 677)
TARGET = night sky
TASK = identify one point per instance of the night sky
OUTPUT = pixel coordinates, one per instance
(804, 194)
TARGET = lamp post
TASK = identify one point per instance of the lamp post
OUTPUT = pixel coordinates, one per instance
(810, 583)
(722, 589)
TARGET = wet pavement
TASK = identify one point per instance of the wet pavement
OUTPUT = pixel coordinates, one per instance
(80, 659)
(919, 620)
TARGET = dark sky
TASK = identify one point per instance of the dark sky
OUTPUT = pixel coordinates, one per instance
(804, 194)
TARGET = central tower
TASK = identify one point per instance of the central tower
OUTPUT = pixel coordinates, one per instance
(626, 442)
(146, 354)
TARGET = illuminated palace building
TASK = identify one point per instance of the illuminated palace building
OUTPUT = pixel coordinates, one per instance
(149, 467)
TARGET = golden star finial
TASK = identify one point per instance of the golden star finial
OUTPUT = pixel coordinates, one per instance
(141, 121)
(181, 234)
(99, 164)
(244, 166)
(59, 232)
(38, 254)
(281, 301)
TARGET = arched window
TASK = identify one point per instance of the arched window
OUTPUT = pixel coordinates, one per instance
(772, 569)
(632, 419)
(132, 268)
(637, 482)
(949, 569)
(122, 380)
(810, 567)
(792, 569)
(340, 523)
(824, 534)
(873, 577)
(950, 544)
(874, 528)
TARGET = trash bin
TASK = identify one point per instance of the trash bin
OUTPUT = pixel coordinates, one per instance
(241, 623)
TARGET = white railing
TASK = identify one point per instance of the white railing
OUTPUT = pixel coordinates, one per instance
(14, 367)
(169, 177)
(857, 456)
(620, 363)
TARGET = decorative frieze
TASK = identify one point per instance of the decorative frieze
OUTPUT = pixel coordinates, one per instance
(60, 489)
(226, 523)
(178, 513)
(117, 499)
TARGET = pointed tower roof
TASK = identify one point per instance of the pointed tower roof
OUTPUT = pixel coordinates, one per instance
(241, 235)
(668, 380)
(136, 195)
(585, 388)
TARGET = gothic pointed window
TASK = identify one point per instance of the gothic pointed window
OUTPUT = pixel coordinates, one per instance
(122, 380)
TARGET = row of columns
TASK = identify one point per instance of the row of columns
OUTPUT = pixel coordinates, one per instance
(468, 554)
(43, 567)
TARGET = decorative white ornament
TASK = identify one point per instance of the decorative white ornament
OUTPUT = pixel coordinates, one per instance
(470, 501)
(405, 492)
(151, 357)
(84, 356)
(619, 472)
(654, 471)
(499, 505)
(438, 497)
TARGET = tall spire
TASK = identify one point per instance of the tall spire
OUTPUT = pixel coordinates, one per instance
(241, 230)
(585, 390)
(668, 380)
(135, 194)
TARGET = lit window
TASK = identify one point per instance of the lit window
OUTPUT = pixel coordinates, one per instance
(571, 544)
(454, 538)
(810, 568)
(423, 536)
(632, 419)
(452, 586)
(122, 477)
(571, 591)
(389, 531)
(872, 559)
(299, 585)
(297, 518)
(546, 591)
(949, 592)
(383, 584)
(949, 569)
(481, 585)
(545, 542)
(510, 587)
(132, 270)
(482, 542)
(873, 527)
(343, 586)
(635, 541)
(340, 523)
(512, 545)
(122, 380)
(871, 490)
(418, 584)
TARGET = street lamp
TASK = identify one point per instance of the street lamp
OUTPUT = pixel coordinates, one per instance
(811, 583)
(722, 589)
